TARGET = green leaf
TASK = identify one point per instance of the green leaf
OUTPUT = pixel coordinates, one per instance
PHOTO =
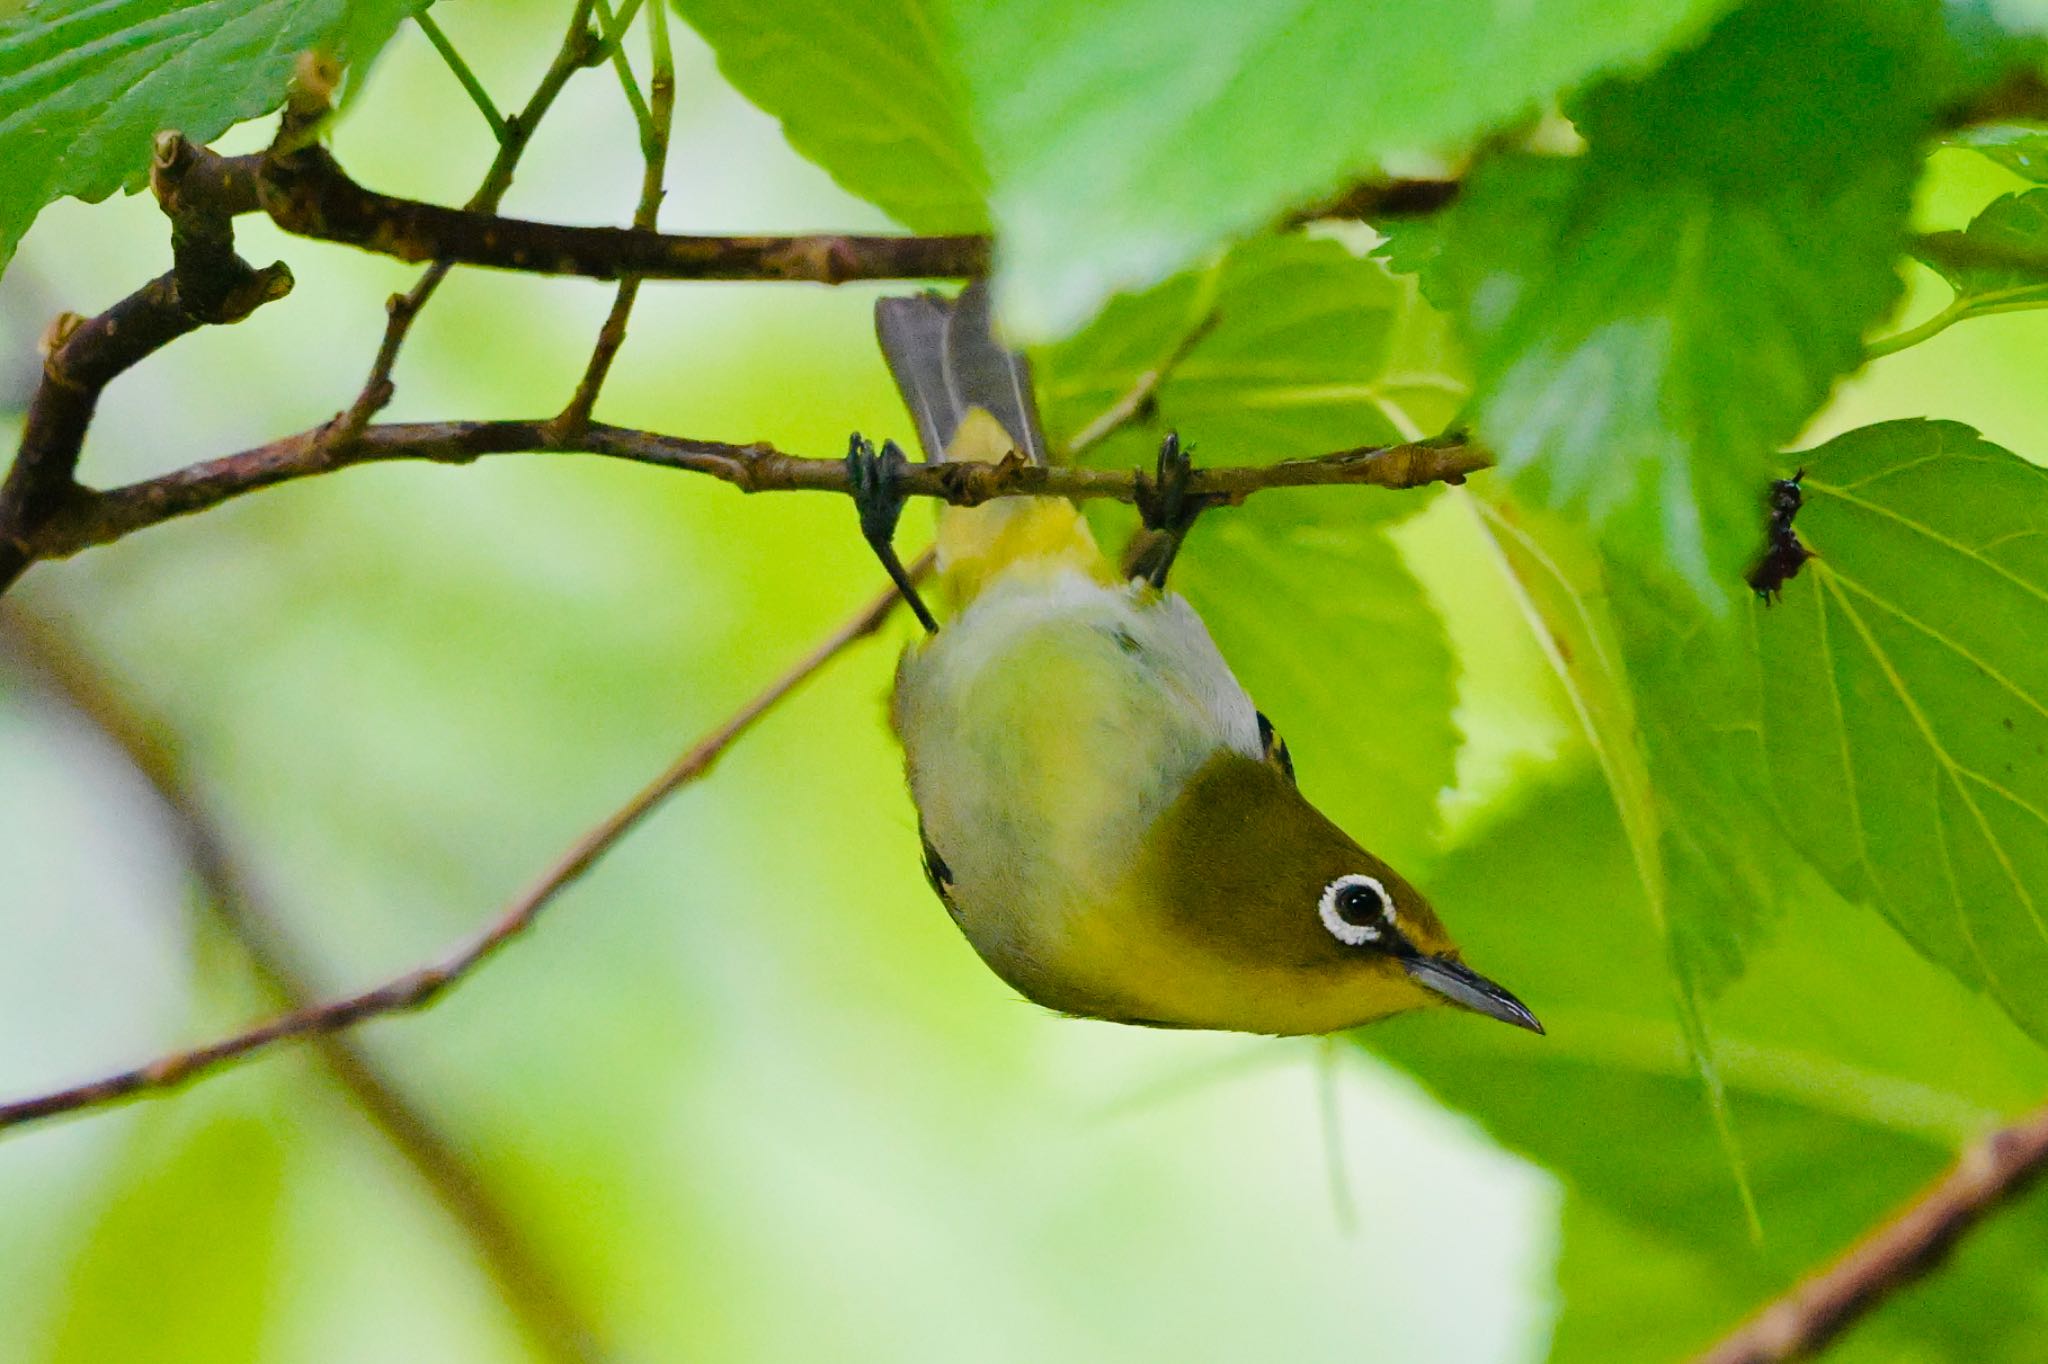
(178, 1265)
(1906, 696)
(2020, 149)
(1651, 320)
(85, 85)
(1342, 649)
(1127, 138)
(867, 91)
(1837, 1040)
(2017, 221)
(1309, 349)
(1556, 574)
(1727, 865)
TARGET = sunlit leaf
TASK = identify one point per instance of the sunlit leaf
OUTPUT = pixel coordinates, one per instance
(1126, 139)
(2016, 221)
(2021, 149)
(867, 91)
(86, 84)
(1906, 696)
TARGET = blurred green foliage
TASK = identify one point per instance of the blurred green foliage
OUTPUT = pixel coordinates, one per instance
(745, 1091)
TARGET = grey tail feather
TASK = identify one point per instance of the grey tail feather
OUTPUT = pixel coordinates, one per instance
(946, 361)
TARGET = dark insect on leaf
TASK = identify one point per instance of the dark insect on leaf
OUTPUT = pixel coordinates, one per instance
(1783, 554)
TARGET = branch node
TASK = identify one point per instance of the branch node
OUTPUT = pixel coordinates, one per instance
(61, 329)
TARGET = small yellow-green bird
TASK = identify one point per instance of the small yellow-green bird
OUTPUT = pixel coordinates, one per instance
(1111, 822)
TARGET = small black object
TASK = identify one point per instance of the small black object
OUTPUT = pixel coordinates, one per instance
(936, 873)
(876, 480)
(1361, 905)
(1275, 748)
(1167, 508)
(1784, 555)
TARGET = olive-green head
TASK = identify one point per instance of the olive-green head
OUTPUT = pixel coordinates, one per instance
(1284, 923)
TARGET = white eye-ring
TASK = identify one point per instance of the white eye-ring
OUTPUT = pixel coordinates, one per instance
(1355, 908)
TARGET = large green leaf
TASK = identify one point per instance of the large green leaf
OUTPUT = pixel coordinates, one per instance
(1342, 649)
(1727, 865)
(1906, 696)
(1651, 320)
(1308, 348)
(1126, 138)
(2018, 221)
(1854, 1070)
(1557, 576)
(867, 91)
(86, 84)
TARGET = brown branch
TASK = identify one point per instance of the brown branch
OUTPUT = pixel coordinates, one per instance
(530, 1289)
(310, 195)
(1913, 1242)
(90, 518)
(421, 986)
(654, 153)
(206, 284)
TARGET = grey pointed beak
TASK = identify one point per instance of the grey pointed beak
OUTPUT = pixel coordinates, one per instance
(1466, 988)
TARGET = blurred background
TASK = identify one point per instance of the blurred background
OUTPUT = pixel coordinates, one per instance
(744, 1093)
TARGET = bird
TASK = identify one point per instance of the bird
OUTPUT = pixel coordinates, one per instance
(1111, 822)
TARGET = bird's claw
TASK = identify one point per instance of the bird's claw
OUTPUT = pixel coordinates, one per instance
(875, 480)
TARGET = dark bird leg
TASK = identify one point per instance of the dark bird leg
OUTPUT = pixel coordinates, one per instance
(876, 492)
(1169, 511)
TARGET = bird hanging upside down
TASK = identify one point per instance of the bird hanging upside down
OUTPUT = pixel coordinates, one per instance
(1112, 823)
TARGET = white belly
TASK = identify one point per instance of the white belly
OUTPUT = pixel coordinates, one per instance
(1045, 729)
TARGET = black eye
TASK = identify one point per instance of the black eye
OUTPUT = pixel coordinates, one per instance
(1362, 904)
(1356, 909)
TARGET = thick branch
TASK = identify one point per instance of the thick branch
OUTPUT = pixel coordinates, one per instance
(207, 283)
(97, 518)
(309, 194)
(1987, 1177)
(529, 1288)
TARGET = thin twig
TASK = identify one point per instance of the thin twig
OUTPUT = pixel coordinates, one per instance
(473, 87)
(94, 518)
(615, 31)
(612, 335)
(579, 47)
(419, 987)
(1142, 394)
(1913, 1242)
(416, 988)
(530, 1289)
